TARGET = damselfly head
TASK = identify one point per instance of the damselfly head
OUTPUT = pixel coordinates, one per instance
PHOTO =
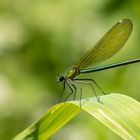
(60, 78)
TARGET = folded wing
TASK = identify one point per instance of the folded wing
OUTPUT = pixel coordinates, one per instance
(108, 45)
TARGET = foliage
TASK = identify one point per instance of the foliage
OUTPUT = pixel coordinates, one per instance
(118, 112)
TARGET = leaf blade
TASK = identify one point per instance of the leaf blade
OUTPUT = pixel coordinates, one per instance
(118, 112)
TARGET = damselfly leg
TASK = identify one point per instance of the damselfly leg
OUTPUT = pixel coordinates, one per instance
(90, 82)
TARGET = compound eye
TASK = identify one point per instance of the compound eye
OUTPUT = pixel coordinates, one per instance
(60, 78)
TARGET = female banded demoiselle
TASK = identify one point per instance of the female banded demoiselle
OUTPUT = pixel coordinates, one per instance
(105, 48)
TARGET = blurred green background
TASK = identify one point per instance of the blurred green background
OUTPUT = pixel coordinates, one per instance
(41, 39)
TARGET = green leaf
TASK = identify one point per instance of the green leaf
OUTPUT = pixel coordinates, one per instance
(118, 112)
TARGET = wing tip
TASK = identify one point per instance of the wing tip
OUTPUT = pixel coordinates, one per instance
(126, 20)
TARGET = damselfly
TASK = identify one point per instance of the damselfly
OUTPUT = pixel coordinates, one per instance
(105, 48)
